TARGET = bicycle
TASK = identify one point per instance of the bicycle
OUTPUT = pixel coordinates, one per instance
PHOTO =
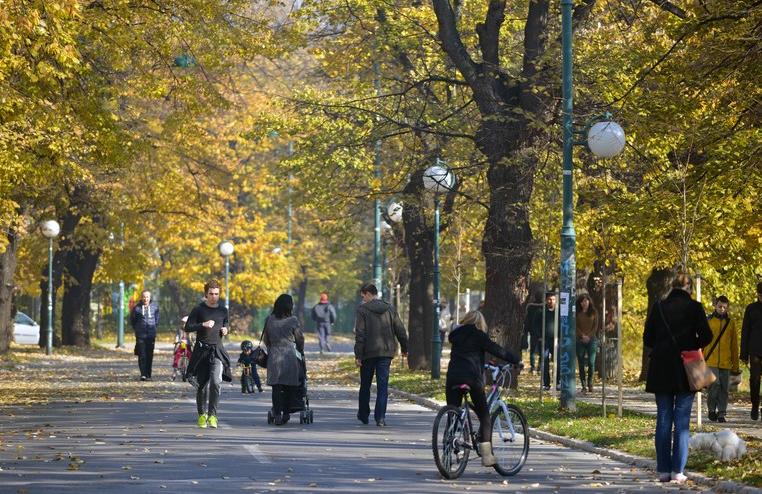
(180, 370)
(455, 435)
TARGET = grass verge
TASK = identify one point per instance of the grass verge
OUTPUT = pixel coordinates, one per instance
(633, 433)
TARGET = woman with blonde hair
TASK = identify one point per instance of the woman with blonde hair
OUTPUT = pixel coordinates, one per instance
(469, 342)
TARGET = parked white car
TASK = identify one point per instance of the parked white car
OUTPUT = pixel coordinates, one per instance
(25, 330)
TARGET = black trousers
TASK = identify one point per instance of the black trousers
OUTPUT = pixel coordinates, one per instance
(282, 396)
(755, 376)
(144, 348)
(478, 399)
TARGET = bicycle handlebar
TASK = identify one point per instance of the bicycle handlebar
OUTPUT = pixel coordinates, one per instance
(494, 365)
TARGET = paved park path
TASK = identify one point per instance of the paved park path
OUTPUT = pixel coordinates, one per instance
(151, 444)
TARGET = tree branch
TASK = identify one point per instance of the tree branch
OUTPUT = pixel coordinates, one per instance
(489, 32)
(451, 42)
(670, 7)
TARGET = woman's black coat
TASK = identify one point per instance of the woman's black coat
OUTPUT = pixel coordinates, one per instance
(688, 324)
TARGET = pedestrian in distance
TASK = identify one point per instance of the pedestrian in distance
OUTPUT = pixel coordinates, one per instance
(210, 363)
(587, 340)
(324, 315)
(721, 357)
(378, 328)
(144, 319)
(445, 323)
(533, 331)
(469, 342)
(249, 374)
(550, 325)
(284, 340)
(676, 324)
(751, 348)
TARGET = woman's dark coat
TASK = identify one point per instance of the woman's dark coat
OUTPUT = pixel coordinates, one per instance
(285, 350)
(689, 327)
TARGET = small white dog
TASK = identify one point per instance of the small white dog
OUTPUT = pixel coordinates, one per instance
(724, 445)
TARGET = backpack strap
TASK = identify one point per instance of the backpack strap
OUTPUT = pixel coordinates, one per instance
(717, 341)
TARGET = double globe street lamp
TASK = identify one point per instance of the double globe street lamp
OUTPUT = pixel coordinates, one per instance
(437, 179)
(226, 250)
(50, 229)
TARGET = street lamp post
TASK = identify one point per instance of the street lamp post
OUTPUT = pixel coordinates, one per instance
(377, 269)
(437, 179)
(226, 250)
(50, 229)
(604, 139)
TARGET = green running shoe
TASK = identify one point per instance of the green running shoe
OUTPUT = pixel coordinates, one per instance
(212, 421)
(202, 421)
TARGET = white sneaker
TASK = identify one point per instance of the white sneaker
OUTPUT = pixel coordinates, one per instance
(678, 478)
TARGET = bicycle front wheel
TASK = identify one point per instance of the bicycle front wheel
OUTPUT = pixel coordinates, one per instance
(450, 452)
(510, 439)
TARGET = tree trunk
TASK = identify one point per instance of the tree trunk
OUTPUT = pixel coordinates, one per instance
(509, 109)
(7, 271)
(301, 296)
(419, 246)
(507, 247)
(173, 287)
(75, 311)
(657, 286)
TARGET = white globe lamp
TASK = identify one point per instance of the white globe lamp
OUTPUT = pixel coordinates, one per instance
(226, 248)
(438, 179)
(50, 228)
(395, 212)
(606, 139)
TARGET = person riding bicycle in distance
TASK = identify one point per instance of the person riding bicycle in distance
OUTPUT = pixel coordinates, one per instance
(469, 342)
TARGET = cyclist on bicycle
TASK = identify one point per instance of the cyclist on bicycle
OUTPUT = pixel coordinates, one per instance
(469, 342)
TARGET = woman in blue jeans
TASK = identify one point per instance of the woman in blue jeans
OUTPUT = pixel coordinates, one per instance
(674, 324)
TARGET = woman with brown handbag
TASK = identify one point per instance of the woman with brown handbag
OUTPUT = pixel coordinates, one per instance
(674, 325)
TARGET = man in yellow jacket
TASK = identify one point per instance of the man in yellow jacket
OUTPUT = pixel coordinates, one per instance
(722, 357)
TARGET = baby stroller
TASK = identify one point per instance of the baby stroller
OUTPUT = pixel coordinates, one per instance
(300, 401)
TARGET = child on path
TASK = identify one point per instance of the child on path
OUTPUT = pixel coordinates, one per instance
(249, 374)
(182, 349)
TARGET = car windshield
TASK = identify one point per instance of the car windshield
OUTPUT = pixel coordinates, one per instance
(22, 318)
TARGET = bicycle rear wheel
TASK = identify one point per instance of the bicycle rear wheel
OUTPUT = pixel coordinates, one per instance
(450, 453)
(510, 440)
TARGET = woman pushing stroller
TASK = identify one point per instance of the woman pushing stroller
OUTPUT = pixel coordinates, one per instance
(284, 340)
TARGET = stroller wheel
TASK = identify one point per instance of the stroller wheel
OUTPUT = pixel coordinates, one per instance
(309, 417)
(270, 418)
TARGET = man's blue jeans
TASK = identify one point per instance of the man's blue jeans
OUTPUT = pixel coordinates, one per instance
(672, 445)
(379, 366)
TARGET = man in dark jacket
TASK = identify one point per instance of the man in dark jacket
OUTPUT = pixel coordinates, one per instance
(376, 327)
(324, 316)
(549, 337)
(144, 318)
(532, 337)
(751, 348)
